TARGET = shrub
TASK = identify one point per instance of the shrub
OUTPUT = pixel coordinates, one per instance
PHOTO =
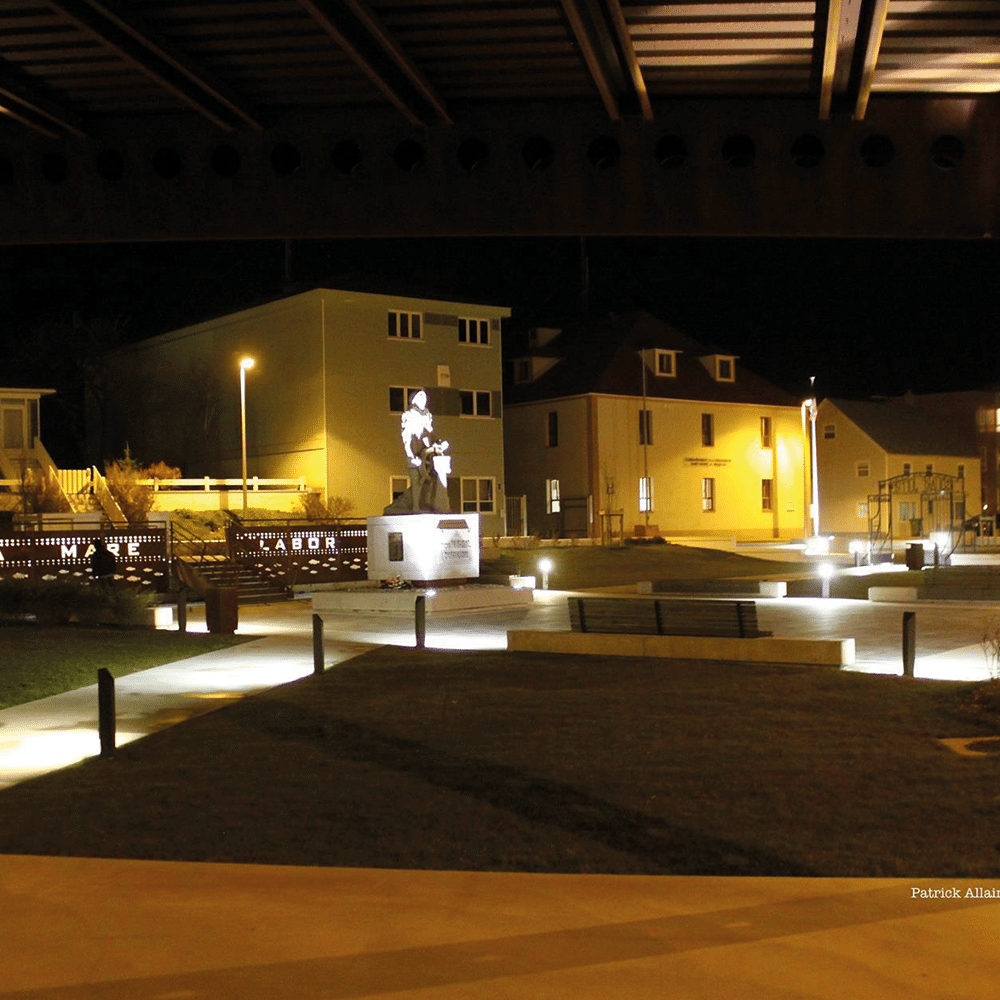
(59, 602)
(42, 494)
(333, 510)
(127, 483)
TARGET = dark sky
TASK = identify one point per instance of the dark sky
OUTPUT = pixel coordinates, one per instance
(865, 317)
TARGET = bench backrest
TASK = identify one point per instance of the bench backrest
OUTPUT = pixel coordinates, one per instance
(656, 616)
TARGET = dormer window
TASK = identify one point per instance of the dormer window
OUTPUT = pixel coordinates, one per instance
(522, 370)
(725, 369)
(665, 363)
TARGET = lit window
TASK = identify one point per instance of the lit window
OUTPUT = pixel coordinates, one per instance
(862, 510)
(707, 430)
(552, 505)
(473, 331)
(861, 469)
(405, 325)
(553, 429)
(708, 494)
(476, 403)
(477, 495)
(766, 489)
(645, 493)
(829, 431)
(765, 432)
(645, 427)
(665, 362)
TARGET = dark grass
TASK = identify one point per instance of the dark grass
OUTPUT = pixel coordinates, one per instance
(541, 763)
(38, 661)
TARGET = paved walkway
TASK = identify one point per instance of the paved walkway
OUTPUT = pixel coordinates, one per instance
(85, 929)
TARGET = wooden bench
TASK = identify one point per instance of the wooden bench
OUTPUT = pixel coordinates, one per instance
(656, 616)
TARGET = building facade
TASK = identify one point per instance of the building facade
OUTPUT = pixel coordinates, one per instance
(628, 419)
(872, 449)
(333, 372)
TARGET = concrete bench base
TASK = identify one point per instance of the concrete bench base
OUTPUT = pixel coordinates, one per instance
(814, 652)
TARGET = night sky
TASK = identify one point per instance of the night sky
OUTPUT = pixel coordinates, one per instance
(865, 317)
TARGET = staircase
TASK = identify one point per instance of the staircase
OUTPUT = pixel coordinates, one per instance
(218, 571)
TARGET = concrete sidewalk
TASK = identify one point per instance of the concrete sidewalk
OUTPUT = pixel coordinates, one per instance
(85, 929)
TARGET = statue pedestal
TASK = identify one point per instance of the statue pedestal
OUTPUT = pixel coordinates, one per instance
(423, 548)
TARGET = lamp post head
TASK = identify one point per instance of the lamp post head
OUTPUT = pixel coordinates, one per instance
(246, 363)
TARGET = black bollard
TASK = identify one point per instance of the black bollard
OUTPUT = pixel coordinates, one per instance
(317, 644)
(182, 612)
(909, 642)
(420, 614)
(106, 711)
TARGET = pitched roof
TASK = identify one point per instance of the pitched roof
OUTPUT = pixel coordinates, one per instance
(904, 428)
(601, 356)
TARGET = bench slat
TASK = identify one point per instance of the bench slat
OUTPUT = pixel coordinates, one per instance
(656, 616)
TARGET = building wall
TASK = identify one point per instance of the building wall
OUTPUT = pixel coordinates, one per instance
(600, 452)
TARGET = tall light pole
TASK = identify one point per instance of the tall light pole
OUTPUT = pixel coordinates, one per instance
(809, 408)
(245, 363)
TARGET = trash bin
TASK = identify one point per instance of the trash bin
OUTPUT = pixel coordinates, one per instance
(222, 609)
(914, 557)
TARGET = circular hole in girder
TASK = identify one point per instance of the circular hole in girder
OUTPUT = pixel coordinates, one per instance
(537, 152)
(167, 163)
(110, 165)
(6, 171)
(603, 152)
(285, 159)
(225, 161)
(877, 150)
(947, 151)
(472, 154)
(345, 157)
(808, 151)
(739, 151)
(671, 152)
(54, 167)
(408, 155)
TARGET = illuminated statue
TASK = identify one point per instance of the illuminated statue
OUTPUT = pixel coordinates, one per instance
(428, 459)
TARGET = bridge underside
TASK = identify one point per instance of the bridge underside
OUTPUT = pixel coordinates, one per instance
(913, 167)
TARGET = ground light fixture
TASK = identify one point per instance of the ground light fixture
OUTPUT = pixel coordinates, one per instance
(825, 571)
(545, 567)
(245, 363)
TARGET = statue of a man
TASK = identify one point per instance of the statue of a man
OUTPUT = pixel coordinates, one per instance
(428, 460)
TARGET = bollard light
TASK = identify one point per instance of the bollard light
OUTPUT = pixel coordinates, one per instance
(544, 567)
(825, 571)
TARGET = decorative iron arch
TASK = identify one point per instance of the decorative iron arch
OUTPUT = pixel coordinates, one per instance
(939, 509)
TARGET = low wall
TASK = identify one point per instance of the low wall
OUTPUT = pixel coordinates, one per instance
(773, 649)
(167, 500)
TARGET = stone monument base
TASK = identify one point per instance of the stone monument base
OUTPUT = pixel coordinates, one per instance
(423, 548)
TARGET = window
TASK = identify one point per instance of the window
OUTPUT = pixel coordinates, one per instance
(665, 363)
(707, 430)
(766, 494)
(861, 469)
(645, 493)
(708, 494)
(961, 472)
(398, 485)
(552, 429)
(724, 370)
(829, 431)
(477, 495)
(399, 397)
(907, 510)
(765, 432)
(405, 325)
(907, 469)
(522, 370)
(645, 427)
(476, 403)
(929, 468)
(552, 505)
(473, 331)
(863, 510)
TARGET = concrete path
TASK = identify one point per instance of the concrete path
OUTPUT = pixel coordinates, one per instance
(84, 929)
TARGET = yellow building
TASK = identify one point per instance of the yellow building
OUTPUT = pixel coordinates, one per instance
(630, 416)
(333, 373)
(876, 448)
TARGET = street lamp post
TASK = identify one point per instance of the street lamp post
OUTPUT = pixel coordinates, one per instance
(245, 363)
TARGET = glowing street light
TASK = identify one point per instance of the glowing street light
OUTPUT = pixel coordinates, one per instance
(826, 571)
(545, 565)
(245, 363)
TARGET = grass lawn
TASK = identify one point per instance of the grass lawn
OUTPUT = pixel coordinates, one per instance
(38, 661)
(530, 762)
(581, 567)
